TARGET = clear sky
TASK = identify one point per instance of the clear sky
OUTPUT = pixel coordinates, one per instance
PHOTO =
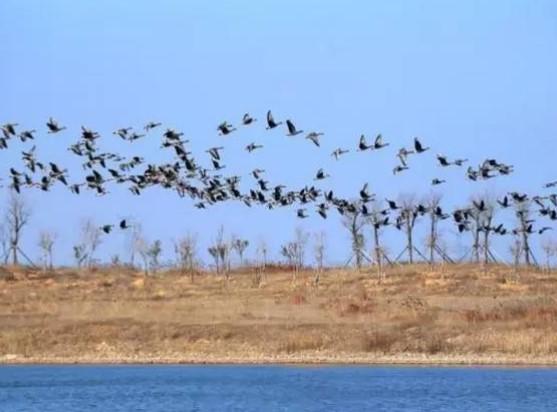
(473, 79)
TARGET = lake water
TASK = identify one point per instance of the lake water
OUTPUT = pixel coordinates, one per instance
(275, 388)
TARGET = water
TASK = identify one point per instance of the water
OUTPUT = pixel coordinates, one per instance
(275, 388)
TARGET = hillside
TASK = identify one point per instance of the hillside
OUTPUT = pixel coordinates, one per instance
(452, 314)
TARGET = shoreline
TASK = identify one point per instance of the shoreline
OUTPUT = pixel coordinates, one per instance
(301, 360)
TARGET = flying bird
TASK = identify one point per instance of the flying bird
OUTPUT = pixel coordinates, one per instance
(419, 147)
(271, 123)
(292, 131)
(53, 126)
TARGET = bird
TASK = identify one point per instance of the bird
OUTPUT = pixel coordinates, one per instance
(550, 184)
(252, 146)
(379, 144)
(27, 134)
(123, 132)
(436, 182)
(53, 126)
(151, 125)
(419, 147)
(8, 129)
(107, 228)
(314, 137)
(271, 123)
(247, 119)
(364, 194)
(399, 168)
(392, 204)
(225, 128)
(320, 175)
(443, 160)
(124, 224)
(544, 229)
(504, 203)
(301, 213)
(339, 152)
(362, 145)
(403, 155)
(292, 131)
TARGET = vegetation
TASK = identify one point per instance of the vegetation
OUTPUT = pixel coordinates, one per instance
(455, 313)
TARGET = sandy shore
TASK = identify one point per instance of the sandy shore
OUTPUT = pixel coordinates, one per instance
(294, 359)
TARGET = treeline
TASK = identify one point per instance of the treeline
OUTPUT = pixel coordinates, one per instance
(365, 226)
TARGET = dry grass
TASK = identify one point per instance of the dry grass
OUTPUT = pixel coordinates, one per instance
(459, 311)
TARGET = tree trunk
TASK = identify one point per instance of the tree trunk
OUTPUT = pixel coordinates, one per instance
(432, 240)
(409, 240)
(378, 256)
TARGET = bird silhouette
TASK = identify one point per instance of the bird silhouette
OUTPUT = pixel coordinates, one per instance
(53, 126)
(252, 146)
(314, 137)
(292, 131)
(339, 152)
(271, 123)
(379, 144)
(419, 147)
(247, 119)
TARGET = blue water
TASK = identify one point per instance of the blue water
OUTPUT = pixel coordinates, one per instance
(275, 388)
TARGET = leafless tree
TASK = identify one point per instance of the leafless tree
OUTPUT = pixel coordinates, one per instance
(80, 254)
(153, 252)
(4, 245)
(378, 220)
(319, 253)
(46, 244)
(220, 251)
(90, 239)
(240, 246)
(262, 251)
(522, 210)
(549, 248)
(294, 251)
(432, 202)
(515, 249)
(186, 252)
(407, 221)
(16, 218)
(135, 241)
(354, 222)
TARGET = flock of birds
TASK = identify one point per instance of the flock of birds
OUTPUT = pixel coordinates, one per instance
(207, 186)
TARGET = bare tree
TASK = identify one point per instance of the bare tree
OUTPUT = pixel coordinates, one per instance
(17, 216)
(46, 244)
(262, 251)
(294, 251)
(153, 252)
(80, 254)
(319, 253)
(549, 248)
(406, 221)
(91, 239)
(4, 245)
(220, 251)
(186, 252)
(522, 210)
(240, 246)
(354, 221)
(135, 241)
(378, 220)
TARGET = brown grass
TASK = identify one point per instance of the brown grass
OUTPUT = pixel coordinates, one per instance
(413, 312)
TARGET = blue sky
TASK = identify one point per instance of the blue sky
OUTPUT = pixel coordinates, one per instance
(473, 79)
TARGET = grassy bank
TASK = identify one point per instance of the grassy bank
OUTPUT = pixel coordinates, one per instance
(453, 314)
